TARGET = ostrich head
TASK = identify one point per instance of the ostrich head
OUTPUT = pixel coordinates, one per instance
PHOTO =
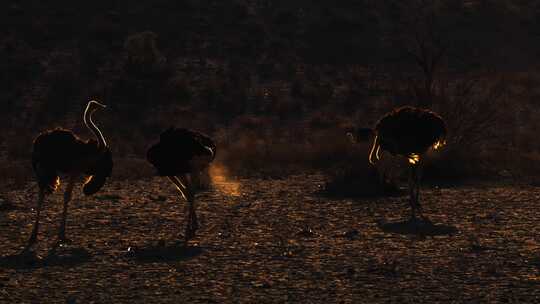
(357, 135)
(94, 105)
(91, 107)
(98, 173)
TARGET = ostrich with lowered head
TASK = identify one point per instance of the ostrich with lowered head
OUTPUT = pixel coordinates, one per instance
(181, 155)
(409, 132)
(59, 151)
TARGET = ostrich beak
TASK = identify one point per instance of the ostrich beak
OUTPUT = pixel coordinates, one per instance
(211, 152)
(351, 137)
(94, 104)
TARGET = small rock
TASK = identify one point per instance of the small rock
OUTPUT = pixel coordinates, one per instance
(351, 234)
(306, 232)
(159, 198)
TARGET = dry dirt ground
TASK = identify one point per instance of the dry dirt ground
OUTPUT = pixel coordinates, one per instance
(275, 241)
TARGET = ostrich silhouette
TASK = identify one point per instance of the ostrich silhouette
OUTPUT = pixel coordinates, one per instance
(181, 154)
(409, 132)
(59, 151)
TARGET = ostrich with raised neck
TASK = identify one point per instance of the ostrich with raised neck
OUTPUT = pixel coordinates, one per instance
(60, 152)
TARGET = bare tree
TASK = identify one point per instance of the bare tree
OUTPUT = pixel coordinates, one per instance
(418, 37)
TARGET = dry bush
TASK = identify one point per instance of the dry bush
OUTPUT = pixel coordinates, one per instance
(528, 166)
(476, 112)
(453, 166)
(285, 148)
(479, 122)
(356, 177)
(142, 52)
(319, 144)
(15, 174)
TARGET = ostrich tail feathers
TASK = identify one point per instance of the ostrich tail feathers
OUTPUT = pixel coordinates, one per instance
(94, 184)
(48, 180)
(50, 184)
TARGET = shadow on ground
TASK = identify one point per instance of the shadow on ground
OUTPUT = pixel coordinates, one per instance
(417, 227)
(7, 206)
(65, 257)
(164, 253)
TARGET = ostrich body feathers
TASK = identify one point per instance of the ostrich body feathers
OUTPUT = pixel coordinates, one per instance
(60, 151)
(181, 151)
(408, 130)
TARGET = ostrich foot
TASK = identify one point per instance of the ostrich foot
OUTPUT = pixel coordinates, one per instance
(420, 219)
(27, 250)
(421, 216)
(31, 242)
(191, 228)
(426, 221)
(62, 241)
(194, 222)
(189, 234)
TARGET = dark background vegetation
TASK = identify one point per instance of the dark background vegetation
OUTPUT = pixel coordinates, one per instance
(276, 83)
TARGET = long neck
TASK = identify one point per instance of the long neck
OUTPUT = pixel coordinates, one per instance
(374, 153)
(92, 126)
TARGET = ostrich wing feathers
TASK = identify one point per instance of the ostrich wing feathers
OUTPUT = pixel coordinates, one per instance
(409, 130)
(176, 148)
(60, 151)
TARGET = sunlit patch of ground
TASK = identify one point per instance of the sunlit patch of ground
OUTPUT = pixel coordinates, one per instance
(276, 241)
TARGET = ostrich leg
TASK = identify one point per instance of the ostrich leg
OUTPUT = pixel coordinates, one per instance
(179, 186)
(192, 223)
(414, 191)
(67, 199)
(417, 190)
(33, 236)
(412, 188)
(184, 187)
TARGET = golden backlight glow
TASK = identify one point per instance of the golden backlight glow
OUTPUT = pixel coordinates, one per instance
(56, 184)
(439, 144)
(413, 158)
(221, 180)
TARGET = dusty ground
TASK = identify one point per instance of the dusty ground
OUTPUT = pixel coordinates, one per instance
(269, 241)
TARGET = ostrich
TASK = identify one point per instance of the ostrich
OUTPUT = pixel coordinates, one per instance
(181, 155)
(59, 151)
(409, 132)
